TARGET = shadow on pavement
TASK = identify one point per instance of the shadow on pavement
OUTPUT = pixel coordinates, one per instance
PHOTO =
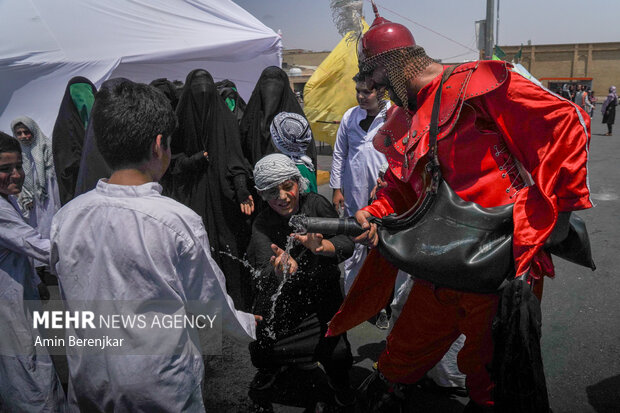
(604, 396)
(369, 351)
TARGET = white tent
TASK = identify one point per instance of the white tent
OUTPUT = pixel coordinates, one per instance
(46, 43)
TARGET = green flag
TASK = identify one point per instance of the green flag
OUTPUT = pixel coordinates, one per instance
(518, 55)
(499, 53)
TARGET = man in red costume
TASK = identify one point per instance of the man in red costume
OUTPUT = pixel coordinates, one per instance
(502, 140)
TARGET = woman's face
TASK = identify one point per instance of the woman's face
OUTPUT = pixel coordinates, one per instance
(23, 134)
(11, 173)
(271, 92)
(284, 199)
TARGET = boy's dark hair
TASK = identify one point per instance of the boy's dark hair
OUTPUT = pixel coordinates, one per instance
(127, 118)
(359, 78)
(9, 143)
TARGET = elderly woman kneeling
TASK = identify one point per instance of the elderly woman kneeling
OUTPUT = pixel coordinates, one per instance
(297, 291)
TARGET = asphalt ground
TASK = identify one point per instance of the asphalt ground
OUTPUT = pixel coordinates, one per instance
(581, 308)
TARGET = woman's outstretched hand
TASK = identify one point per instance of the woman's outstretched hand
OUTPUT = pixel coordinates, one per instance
(282, 259)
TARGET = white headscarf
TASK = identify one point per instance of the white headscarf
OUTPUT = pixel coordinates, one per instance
(40, 150)
(274, 169)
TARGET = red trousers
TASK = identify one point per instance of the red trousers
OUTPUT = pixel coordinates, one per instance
(431, 320)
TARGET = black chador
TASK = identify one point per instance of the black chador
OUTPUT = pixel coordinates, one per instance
(173, 93)
(68, 134)
(271, 96)
(167, 88)
(92, 165)
(216, 184)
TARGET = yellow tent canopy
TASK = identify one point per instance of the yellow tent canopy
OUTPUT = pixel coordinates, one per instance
(331, 91)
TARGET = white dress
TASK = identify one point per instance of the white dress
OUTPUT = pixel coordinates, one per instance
(129, 245)
(28, 380)
(355, 168)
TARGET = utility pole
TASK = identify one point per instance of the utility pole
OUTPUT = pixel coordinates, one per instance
(488, 43)
(497, 24)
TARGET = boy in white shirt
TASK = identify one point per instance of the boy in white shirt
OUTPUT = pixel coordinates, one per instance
(356, 163)
(125, 242)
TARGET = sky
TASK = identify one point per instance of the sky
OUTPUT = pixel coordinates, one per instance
(307, 24)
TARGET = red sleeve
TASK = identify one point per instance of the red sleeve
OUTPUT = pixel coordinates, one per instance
(550, 136)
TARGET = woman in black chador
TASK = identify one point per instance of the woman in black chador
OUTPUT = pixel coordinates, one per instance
(271, 96)
(167, 88)
(68, 134)
(173, 93)
(209, 174)
(92, 165)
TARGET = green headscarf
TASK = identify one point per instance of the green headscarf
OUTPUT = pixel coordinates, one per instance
(83, 99)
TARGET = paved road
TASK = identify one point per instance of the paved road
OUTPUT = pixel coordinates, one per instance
(581, 308)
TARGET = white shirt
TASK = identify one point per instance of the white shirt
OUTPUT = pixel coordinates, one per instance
(122, 243)
(28, 380)
(355, 162)
(355, 168)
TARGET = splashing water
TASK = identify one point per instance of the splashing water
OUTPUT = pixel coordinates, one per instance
(297, 222)
(255, 273)
(290, 242)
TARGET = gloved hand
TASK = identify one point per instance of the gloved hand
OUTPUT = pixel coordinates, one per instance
(193, 163)
(244, 198)
(199, 158)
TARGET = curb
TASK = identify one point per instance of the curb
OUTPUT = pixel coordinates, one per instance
(322, 177)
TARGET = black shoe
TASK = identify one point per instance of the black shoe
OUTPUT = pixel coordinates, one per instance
(428, 384)
(344, 394)
(345, 397)
(265, 378)
(379, 395)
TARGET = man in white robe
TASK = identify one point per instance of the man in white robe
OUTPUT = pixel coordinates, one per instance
(356, 163)
(28, 380)
(124, 243)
